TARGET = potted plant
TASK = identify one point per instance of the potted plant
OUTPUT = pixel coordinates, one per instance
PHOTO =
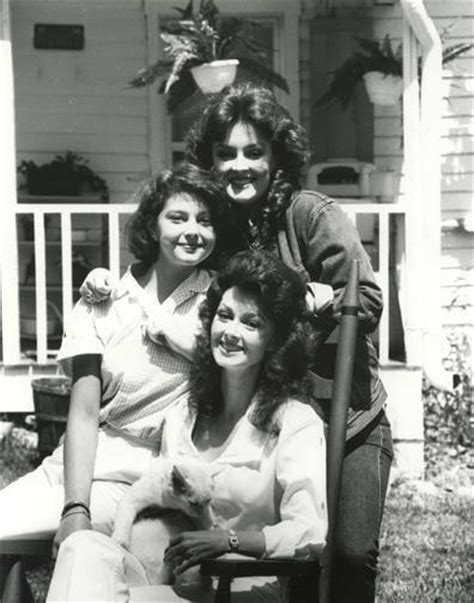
(202, 50)
(381, 68)
(51, 398)
(67, 175)
(376, 63)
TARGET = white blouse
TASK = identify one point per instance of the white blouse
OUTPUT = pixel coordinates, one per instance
(276, 484)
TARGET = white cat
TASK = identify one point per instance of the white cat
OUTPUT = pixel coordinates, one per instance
(178, 494)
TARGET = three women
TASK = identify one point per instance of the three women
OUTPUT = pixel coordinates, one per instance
(251, 142)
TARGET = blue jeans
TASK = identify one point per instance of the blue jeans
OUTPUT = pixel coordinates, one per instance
(365, 475)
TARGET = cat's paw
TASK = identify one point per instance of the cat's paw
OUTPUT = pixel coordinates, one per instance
(191, 585)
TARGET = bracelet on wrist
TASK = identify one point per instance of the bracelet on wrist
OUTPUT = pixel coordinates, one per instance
(78, 511)
(73, 504)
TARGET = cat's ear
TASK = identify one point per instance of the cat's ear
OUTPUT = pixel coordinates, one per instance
(178, 481)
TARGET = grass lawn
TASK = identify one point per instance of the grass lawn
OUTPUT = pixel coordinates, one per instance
(426, 551)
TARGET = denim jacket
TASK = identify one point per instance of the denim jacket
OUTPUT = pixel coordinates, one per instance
(319, 241)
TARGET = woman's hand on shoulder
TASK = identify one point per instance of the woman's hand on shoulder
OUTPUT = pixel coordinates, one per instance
(98, 286)
(319, 297)
(190, 548)
(68, 525)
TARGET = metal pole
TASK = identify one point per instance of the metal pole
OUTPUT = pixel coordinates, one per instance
(338, 419)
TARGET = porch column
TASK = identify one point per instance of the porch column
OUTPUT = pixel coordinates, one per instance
(8, 243)
(423, 160)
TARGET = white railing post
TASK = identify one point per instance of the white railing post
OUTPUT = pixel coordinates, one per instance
(413, 310)
(66, 267)
(114, 244)
(9, 309)
(383, 213)
(40, 289)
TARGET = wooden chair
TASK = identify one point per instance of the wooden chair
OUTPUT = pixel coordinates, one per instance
(309, 581)
(14, 587)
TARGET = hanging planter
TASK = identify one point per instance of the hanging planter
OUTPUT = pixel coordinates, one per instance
(213, 77)
(381, 67)
(202, 42)
(382, 88)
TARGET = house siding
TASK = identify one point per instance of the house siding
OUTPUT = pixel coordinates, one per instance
(457, 185)
(457, 165)
(79, 100)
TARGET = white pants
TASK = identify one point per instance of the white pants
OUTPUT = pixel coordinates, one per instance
(31, 506)
(93, 567)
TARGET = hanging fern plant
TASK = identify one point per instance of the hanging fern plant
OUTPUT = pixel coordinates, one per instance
(203, 37)
(371, 56)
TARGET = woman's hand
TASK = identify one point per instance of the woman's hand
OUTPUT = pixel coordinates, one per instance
(69, 524)
(190, 548)
(319, 297)
(97, 286)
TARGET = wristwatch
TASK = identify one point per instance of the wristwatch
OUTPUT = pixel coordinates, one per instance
(233, 541)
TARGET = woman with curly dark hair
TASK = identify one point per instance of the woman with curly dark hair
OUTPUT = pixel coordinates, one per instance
(123, 382)
(252, 142)
(248, 423)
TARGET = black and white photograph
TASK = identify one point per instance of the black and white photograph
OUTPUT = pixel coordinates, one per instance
(236, 301)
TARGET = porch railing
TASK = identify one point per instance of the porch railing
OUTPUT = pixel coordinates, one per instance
(112, 213)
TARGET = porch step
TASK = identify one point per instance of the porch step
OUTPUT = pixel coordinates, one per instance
(405, 412)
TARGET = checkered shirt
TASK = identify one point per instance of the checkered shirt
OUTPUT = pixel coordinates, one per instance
(140, 379)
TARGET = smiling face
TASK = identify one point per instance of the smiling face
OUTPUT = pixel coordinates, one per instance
(240, 331)
(244, 159)
(185, 231)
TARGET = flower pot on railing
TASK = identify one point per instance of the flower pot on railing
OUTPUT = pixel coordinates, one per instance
(51, 396)
(382, 185)
(213, 77)
(382, 88)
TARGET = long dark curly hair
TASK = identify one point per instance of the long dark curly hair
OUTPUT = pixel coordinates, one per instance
(255, 105)
(283, 375)
(152, 195)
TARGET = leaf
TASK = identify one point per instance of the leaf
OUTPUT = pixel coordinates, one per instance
(370, 46)
(150, 74)
(180, 91)
(176, 45)
(186, 13)
(342, 86)
(455, 50)
(209, 12)
(182, 64)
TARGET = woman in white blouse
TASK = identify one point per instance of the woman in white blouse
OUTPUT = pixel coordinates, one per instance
(123, 382)
(247, 419)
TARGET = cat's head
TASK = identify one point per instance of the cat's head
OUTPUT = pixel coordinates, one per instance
(192, 486)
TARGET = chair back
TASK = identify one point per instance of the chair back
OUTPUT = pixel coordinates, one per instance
(338, 418)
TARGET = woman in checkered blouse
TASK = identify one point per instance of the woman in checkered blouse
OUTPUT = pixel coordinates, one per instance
(123, 382)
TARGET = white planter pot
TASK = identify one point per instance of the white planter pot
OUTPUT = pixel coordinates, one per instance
(213, 77)
(382, 185)
(383, 89)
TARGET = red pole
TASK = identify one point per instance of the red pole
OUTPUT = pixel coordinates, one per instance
(338, 419)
